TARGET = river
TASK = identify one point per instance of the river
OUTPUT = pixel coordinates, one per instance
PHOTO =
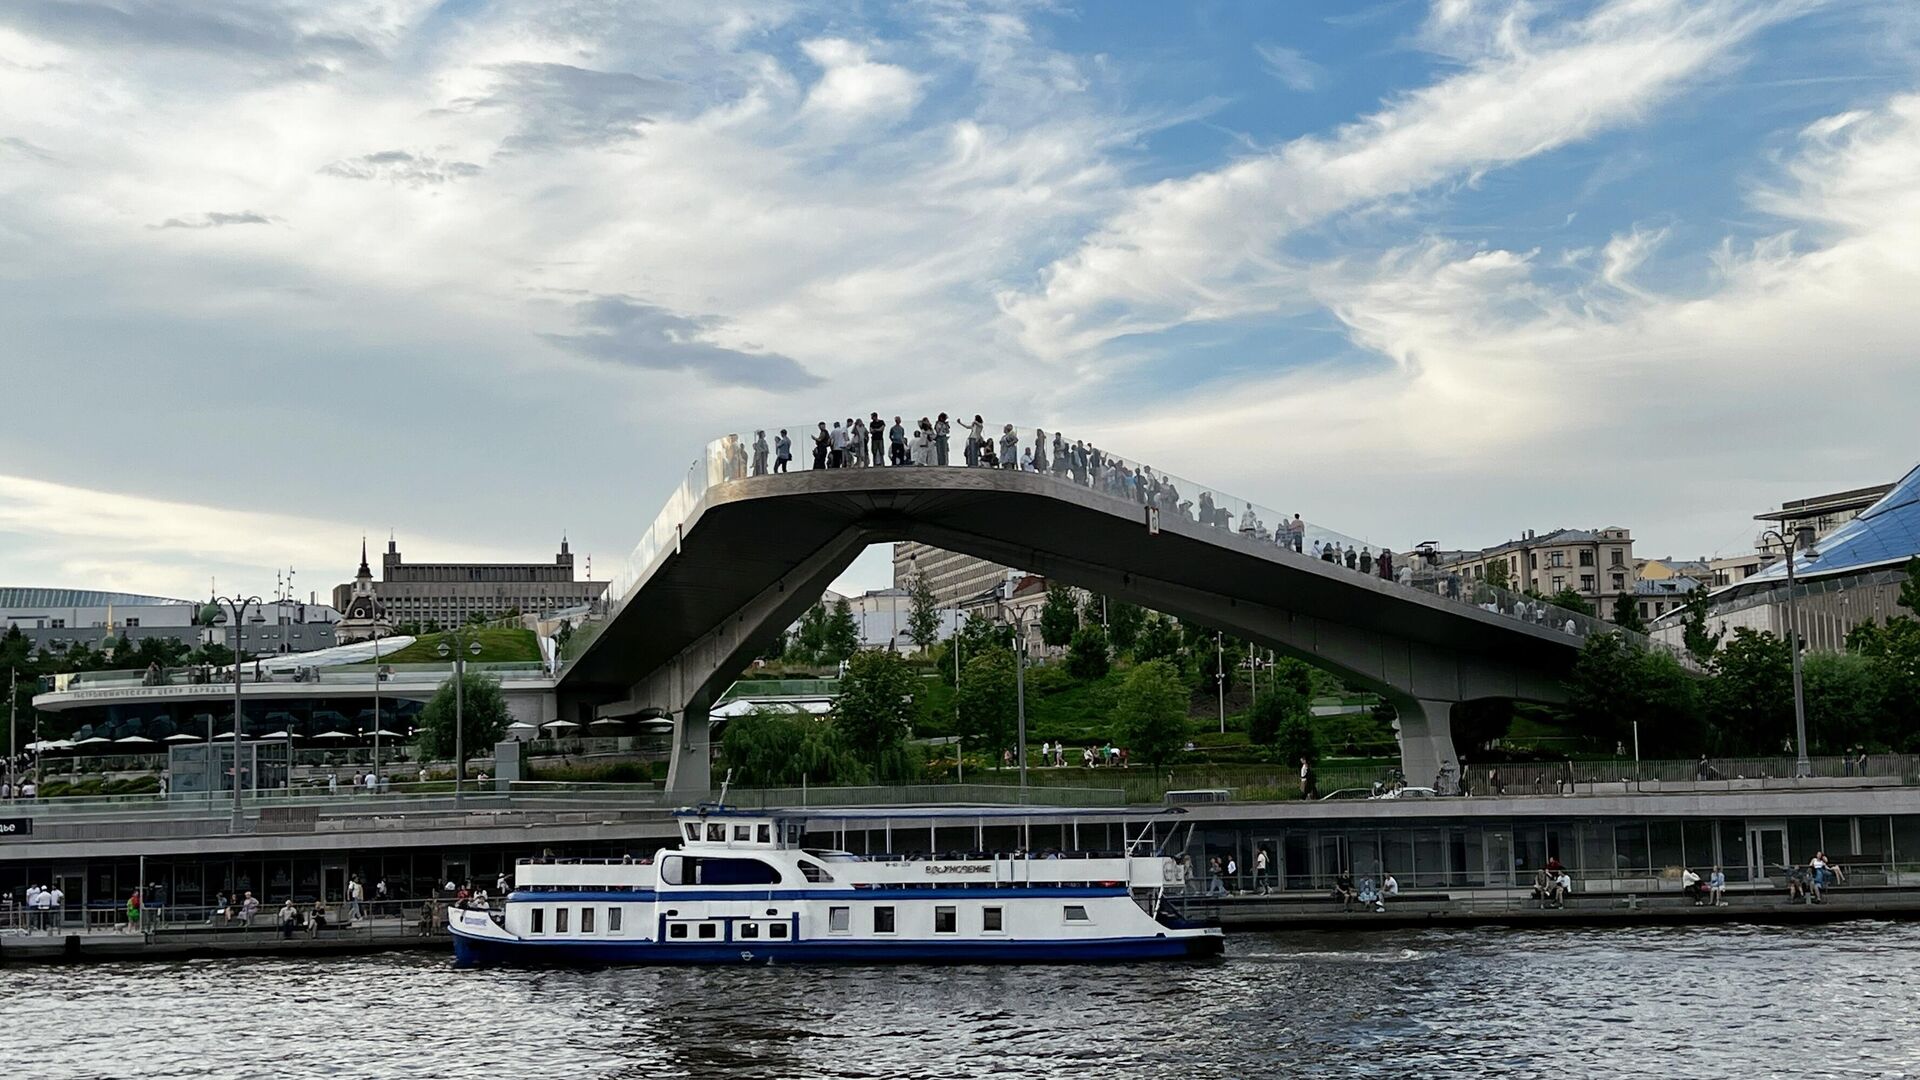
(1840, 1000)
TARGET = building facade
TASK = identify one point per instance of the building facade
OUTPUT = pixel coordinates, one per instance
(956, 580)
(1597, 564)
(58, 619)
(450, 593)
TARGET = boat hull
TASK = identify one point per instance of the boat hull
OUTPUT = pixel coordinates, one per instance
(492, 951)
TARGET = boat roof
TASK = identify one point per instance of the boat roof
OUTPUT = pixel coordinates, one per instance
(896, 813)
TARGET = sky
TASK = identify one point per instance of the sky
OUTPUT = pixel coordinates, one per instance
(278, 274)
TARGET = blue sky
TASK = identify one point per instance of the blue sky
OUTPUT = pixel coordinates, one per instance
(276, 275)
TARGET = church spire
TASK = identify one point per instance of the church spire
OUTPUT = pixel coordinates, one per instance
(364, 570)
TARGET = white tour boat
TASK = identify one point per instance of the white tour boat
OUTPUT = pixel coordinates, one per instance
(740, 889)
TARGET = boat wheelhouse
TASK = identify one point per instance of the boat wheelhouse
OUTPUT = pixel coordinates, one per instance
(741, 888)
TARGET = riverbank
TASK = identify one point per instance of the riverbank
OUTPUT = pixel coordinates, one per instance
(208, 943)
(1294, 911)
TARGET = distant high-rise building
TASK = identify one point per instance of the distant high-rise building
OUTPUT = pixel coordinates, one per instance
(450, 593)
(954, 578)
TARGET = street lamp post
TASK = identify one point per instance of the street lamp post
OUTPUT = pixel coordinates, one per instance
(1802, 538)
(237, 607)
(1220, 675)
(458, 650)
(376, 712)
(1019, 690)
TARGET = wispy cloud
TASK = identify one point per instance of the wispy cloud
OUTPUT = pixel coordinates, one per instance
(1290, 66)
(620, 331)
(215, 219)
(401, 167)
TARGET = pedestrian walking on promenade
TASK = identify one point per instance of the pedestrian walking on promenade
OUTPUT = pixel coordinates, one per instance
(782, 451)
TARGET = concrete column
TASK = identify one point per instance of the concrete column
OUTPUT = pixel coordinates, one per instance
(1426, 739)
(690, 772)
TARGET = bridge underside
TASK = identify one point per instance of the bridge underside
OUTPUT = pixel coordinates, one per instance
(756, 553)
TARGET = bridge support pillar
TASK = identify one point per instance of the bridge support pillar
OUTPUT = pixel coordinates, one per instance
(1426, 740)
(690, 771)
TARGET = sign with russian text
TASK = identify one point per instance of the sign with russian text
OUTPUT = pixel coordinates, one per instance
(16, 826)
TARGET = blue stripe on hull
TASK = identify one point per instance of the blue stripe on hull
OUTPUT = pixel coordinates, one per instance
(470, 951)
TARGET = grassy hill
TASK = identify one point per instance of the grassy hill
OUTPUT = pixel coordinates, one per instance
(498, 645)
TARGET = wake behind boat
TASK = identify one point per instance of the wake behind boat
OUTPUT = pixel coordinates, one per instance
(740, 889)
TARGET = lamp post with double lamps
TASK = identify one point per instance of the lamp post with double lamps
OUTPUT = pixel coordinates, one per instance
(237, 611)
(460, 648)
(1803, 539)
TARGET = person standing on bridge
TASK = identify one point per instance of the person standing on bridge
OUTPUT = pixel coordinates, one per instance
(856, 442)
(920, 451)
(1385, 563)
(897, 443)
(876, 438)
(942, 432)
(760, 452)
(782, 451)
(976, 437)
(822, 444)
(837, 459)
(1039, 451)
(1366, 560)
(1009, 448)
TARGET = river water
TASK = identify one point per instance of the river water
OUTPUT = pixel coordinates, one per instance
(1841, 1000)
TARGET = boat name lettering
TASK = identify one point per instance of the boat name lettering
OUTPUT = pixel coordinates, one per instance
(958, 868)
(473, 918)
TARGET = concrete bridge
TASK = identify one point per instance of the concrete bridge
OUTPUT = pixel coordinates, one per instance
(736, 558)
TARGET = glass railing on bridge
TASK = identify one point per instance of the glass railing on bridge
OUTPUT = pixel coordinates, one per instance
(750, 455)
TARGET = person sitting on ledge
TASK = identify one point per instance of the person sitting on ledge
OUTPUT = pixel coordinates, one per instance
(317, 920)
(1717, 888)
(1343, 891)
(1690, 886)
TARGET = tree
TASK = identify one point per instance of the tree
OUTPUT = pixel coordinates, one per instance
(809, 641)
(1151, 712)
(1273, 709)
(1059, 617)
(1572, 601)
(842, 633)
(1087, 658)
(1497, 573)
(923, 622)
(484, 717)
(1123, 624)
(1615, 683)
(1626, 614)
(1752, 695)
(1294, 740)
(1700, 644)
(987, 700)
(874, 711)
(771, 747)
(1159, 639)
(1848, 693)
(776, 648)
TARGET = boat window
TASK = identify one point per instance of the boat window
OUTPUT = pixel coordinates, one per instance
(813, 871)
(693, 830)
(1074, 913)
(945, 921)
(743, 832)
(778, 929)
(766, 834)
(586, 920)
(717, 832)
(794, 833)
(883, 920)
(991, 920)
(559, 920)
(539, 925)
(671, 869)
(613, 920)
(678, 929)
(708, 930)
(716, 870)
(839, 919)
(748, 929)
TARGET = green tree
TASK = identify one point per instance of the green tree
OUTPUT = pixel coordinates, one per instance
(1752, 693)
(1159, 639)
(1087, 658)
(1123, 625)
(771, 747)
(1497, 574)
(1295, 740)
(843, 634)
(874, 710)
(1615, 683)
(1700, 644)
(1849, 695)
(1273, 708)
(809, 641)
(987, 700)
(923, 621)
(1572, 601)
(484, 717)
(1150, 711)
(1626, 614)
(1059, 617)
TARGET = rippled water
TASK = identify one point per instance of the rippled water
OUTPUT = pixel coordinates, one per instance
(1840, 1000)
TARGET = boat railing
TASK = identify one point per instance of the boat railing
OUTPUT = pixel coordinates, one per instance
(553, 861)
(979, 856)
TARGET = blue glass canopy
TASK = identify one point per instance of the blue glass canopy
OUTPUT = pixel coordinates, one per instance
(1885, 534)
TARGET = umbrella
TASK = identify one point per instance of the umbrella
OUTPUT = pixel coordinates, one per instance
(333, 735)
(607, 721)
(384, 733)
(97, 740)
(524, 724)
(559, 724)
(280, 735)
(134, 739)
(181, 736)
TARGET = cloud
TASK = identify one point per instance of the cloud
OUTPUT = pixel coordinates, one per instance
(401, 167)
(267, 31)
(1209, 246)
(215, 219)
(855, 89)
(564, 105)
(1290, 66)
(623, 332)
